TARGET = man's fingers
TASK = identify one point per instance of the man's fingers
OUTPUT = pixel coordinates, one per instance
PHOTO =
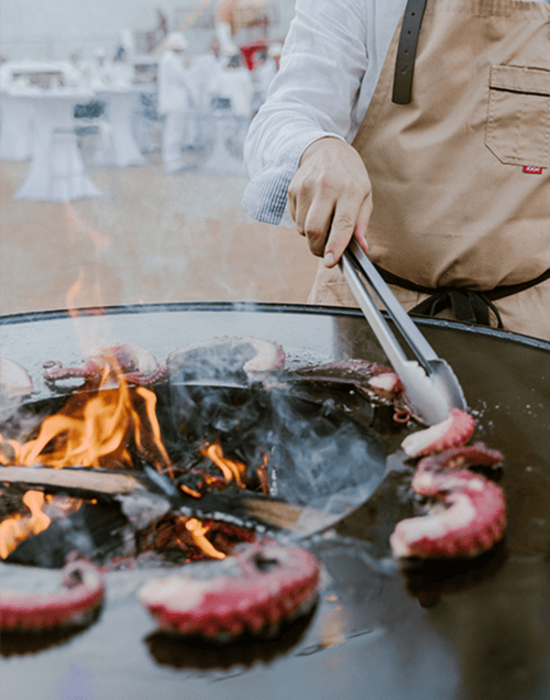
(329, 198)
(343, 227)
(362, 226)
(317, 225)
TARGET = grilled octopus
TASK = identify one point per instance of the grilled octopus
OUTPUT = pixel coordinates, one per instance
(213, 359)
(468, 515)
(73, 605)
(252, 592)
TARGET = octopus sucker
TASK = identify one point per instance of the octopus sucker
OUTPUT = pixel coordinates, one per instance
(258, 587)
(455, 430)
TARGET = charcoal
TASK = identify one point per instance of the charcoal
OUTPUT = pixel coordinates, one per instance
(95, 531)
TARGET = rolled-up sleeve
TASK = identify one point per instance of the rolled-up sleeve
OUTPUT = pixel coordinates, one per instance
(315, 94)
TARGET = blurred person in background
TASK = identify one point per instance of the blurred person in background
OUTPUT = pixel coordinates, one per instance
(235, 15)
(81, 69)
(122, 72)
(176, 97)
(264, 72)
(204, 73)
(100, 72)
(234, 83)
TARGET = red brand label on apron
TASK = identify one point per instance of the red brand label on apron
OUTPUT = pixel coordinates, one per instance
(532, 169)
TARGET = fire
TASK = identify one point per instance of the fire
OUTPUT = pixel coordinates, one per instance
(229, 468)
(107, 428)
(97, 430)
(93, 429)
(85, 291)
(198, 533)
(261, 473)
(19, 527)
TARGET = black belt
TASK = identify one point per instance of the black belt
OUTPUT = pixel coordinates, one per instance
(406, 51)
(467, 305)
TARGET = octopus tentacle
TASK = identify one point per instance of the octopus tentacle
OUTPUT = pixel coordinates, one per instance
(256, 589)
(478, 455)
(134, 363)
(371, 378)
(159, 375)
(87, 371)
(470, 512)
(226, 356)
(74, 604)
(456, 430)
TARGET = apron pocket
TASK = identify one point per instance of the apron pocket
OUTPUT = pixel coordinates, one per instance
(518, 124)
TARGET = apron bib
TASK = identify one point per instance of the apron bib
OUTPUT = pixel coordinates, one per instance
(460, 174)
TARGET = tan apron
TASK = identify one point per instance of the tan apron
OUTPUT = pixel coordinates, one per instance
(460, 175)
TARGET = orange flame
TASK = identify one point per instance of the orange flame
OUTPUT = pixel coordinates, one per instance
(198, 533)
(96, 431)
(261, 472)
(230, 469)
(19, 527)
(91, 430)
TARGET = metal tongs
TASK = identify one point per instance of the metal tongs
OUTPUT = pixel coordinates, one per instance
(431, 386)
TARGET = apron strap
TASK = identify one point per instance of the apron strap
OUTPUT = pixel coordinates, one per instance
(467, 305)
(406, 51)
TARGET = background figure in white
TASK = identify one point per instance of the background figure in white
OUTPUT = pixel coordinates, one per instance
(234, 83)
(204, 74)
(263, 74)
(100, 72)
(80, 75)
(176, 97)
(122, 72)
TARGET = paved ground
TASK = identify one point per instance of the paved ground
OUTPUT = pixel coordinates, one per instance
(150, 237)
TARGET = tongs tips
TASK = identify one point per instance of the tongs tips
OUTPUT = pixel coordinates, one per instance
(430, 384)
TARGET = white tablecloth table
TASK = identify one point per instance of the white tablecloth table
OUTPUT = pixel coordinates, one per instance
(15, 127)
(120, 107)
(56, 172)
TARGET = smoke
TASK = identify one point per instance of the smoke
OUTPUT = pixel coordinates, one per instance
(184, 237)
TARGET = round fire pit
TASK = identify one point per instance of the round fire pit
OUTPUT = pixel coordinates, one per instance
(454, 631)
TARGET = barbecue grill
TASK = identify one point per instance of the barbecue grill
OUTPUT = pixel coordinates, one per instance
(454, 631)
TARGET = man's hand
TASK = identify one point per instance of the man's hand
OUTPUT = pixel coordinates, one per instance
(330, 198)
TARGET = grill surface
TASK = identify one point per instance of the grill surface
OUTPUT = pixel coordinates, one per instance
(448, 632)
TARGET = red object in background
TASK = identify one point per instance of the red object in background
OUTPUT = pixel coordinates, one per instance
(249, 52)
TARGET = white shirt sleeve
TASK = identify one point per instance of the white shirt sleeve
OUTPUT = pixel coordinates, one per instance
(330, 64)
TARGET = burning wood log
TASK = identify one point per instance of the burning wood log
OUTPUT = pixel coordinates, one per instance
(94, 483)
